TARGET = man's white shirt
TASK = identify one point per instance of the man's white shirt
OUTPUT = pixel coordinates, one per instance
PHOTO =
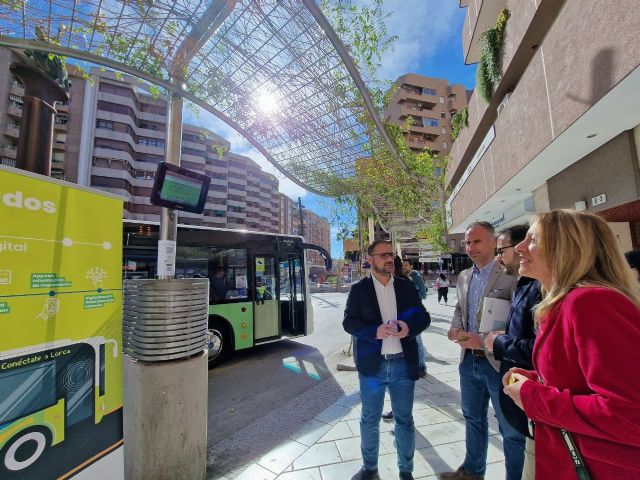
(386, 296)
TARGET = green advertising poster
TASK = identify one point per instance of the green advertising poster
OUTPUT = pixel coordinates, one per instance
(61, 328)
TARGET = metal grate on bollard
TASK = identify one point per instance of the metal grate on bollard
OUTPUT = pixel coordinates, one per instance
(165, 319)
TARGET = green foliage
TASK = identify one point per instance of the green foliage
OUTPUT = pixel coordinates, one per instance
(15, 5)
(488, 73)
(459, 120)
(381, 187)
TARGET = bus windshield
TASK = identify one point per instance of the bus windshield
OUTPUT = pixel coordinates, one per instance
(26, 390)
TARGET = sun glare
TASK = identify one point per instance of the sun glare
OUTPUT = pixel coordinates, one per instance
(267, 103)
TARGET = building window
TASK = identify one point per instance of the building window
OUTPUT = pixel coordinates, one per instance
(441, 99)
(444, 129)
(151, 142)
(62, 118)
(15, 100)
(445, 145)
(429, 91)
(104, 124)
(429, 122)
(61, 138)
(411, 88)
(149, 126)
(443, 115)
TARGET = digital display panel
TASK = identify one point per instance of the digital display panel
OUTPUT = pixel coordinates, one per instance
(179, 188)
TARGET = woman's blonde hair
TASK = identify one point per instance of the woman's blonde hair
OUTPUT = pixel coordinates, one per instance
(579, 249)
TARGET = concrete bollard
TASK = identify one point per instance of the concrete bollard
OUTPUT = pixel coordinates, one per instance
(165, 379)
(165, 419)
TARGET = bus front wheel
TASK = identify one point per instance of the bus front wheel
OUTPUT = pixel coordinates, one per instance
(24, 450)
(219, 343)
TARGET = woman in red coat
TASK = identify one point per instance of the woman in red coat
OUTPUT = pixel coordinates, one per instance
(587, 351)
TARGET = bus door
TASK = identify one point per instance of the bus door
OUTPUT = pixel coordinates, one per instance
(292, 305)
(265, 316)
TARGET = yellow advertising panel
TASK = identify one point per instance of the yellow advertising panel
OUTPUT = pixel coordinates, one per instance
(61, 326)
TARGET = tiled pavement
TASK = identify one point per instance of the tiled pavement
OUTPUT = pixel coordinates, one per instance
(328, 446)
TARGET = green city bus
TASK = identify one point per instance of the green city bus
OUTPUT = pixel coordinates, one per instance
(259, 288)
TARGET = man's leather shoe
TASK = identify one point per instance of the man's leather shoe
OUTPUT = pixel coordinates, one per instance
(387, 416)
(460, 474)
(365, 474)
(406, 476)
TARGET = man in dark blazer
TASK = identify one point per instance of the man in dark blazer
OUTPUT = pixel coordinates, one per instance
(514, 346)
(385, 314)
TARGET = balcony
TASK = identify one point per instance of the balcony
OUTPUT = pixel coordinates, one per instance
(12, 130)
(415, 112)
(9, 151)
(14, 110)
(428, 101)
(9, 162)
(481, 15)
(418, 128)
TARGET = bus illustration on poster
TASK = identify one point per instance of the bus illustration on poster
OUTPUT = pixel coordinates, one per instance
(61, 310)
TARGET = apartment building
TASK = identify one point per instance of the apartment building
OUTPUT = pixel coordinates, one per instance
(127, 129)
(430, 102)
(316, 228)
(561, 129)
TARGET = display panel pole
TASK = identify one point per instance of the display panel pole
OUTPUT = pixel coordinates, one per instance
(169, 216)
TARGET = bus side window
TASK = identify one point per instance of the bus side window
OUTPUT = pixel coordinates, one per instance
(227, 272)
(217, 285)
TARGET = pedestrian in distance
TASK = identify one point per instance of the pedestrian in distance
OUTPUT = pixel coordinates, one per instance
(384, 314)
(442, 286)
(582, 396)
(514, 346)
(416, 278)
(480, 379)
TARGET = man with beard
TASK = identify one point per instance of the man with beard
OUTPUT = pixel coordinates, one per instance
(514, 346)
(385, 314)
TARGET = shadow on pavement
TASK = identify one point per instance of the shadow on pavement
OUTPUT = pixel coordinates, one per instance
(260, 398)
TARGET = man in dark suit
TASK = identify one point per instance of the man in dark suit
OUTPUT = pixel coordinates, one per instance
(514, 346)
(385, 314)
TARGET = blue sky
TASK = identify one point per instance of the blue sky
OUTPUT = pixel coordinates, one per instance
(429, 43)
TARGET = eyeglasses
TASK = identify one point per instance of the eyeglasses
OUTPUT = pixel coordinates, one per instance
(383, 255)
(500, 251)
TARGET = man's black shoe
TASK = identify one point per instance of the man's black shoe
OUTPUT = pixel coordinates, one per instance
(387, 417)
(365, 474)
(406, 476)
(423, 371)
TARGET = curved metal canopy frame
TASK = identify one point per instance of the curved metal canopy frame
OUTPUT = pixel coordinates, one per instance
(226, 56)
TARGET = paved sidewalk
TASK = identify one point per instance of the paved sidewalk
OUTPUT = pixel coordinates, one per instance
(328, 447)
